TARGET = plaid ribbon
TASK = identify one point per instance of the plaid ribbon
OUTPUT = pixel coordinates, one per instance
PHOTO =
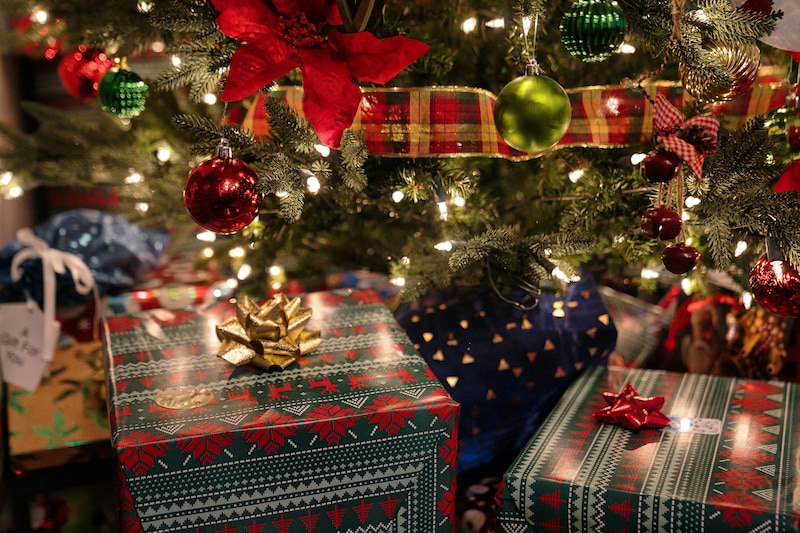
(459, 121)
(671, 131)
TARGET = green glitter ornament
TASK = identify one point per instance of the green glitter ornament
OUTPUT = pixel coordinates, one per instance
(122, 93)
(783, 127)
(532, 113)
(592, 30)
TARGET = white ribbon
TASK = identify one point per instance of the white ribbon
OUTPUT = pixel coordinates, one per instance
(53, 262)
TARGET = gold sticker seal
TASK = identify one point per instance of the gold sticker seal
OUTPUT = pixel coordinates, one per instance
(185, 397)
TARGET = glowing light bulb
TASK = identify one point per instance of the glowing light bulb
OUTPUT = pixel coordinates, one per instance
(244, 271)
(275, 270)
(626, 48)
(576, 175)
(206, 236)
(163, 154)
(40, 16)
(176, 61)
(14, 192)
(497, 23)
(237, 252)
(397, 196)
(442, 210)
(741, 247)
(444, 246)
(210, 98)
(398, 282)
(207, 252)
(637, 158)
(6, 177)
(469, 25)
(692, 201)
(649, 273)
(323, 150)
(313, 184)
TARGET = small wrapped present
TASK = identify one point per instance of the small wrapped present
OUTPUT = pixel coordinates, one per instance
(725, 461)
(355, 435)
(506, 367)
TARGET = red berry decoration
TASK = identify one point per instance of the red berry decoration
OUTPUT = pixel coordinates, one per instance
(660, 166)
(661, 223)
(776, 286)
(679, 258)
(221, 193)
(81, 70)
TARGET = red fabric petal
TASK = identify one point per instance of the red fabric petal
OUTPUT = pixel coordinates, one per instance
(790, 179)
(330, 98)
(376, 60)
(794, 55)
(315, 10)
(245, 20)
(334, 17)
(253, 67)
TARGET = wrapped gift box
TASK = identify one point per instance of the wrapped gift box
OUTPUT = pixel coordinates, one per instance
(357, 435)
(505, 366)
(727, 461)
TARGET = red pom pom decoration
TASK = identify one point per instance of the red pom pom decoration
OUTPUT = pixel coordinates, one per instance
(661, 223)
(679, 258)
(221, 193)
(776, 286)
(81, 70)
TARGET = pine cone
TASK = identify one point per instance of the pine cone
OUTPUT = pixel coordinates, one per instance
(699, 138)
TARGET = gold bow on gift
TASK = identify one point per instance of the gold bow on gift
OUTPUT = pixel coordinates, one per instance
(271, 336)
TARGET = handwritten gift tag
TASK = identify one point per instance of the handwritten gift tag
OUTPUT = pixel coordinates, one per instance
(24, 356)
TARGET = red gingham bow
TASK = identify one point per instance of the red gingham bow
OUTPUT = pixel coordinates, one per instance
(675, 134)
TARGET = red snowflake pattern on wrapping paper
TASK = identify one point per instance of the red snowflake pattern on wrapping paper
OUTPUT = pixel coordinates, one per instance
(174, 317)
(139, 450)
(447, 505)
(759, 388)
(742, 479)
(205, 441)
(754, 420)
(366, 297)
(123, 323)
(746, 457)
(448, 451)
(755, 404)
(439, 403)
(738, 509)
(331, 422)
(390, 413)
(271, 431)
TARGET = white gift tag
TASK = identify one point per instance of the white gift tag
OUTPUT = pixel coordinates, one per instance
(24, 355)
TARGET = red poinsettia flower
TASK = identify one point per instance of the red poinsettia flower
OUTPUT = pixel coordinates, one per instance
(281, 35)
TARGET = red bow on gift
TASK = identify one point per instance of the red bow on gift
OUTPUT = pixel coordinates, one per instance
(281, 35)
(691, 140)
(629, 410)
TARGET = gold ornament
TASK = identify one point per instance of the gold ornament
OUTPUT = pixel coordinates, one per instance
(741, 62)
(271, 336)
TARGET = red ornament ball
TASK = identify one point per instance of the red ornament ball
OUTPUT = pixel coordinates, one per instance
(661, 223)
(81, 70)
(776, 286)
(660, 166)
(221, 194)
(679, 258)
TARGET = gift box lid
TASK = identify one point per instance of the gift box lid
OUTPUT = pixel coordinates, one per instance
(352, 431)
(727, 461)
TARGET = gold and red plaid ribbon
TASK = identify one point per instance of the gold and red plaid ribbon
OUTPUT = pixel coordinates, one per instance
(673, 134)
(459, 121)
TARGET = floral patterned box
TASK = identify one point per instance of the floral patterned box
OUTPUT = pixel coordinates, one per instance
(728, 460)
(357, 435)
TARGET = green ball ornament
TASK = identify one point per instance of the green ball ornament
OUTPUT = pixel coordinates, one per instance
(592, 30)
(122, 93)
(532, 113)
(783, 128)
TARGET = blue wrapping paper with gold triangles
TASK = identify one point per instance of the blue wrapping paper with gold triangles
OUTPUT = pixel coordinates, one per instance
(357, 435)
(505, 366)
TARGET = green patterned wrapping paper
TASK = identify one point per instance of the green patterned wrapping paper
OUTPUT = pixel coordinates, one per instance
(727, 462)
(356, 436)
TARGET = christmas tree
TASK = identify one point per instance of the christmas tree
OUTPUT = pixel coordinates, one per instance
(327, 112)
